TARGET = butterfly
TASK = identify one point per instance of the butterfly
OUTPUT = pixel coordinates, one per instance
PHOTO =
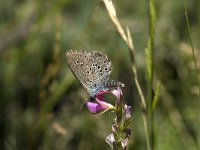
(92, 70)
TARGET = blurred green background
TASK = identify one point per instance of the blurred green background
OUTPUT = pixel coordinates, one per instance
(41, 101)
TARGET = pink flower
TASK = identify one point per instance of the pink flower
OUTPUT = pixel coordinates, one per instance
(100, 105)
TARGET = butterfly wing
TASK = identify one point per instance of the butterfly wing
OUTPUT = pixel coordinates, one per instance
(92, 69)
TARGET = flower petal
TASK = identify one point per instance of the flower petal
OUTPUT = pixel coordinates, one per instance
(99, 99)
(95, 107)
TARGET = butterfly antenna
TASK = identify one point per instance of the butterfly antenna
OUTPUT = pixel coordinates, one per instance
(83, 104)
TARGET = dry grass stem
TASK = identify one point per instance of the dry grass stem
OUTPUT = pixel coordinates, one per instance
(128, 40)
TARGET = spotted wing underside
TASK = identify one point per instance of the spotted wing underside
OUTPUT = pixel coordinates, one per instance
(92, 69)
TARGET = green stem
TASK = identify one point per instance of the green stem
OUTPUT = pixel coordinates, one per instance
(149, 71)
(197, 76)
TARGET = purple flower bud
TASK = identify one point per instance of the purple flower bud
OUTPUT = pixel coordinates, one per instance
(125, 143)
(117, 92)
(110, 139)
(127, 111)
(127, 132)
(114, 127)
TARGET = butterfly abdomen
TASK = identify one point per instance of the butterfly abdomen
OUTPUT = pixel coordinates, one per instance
(113, 83)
